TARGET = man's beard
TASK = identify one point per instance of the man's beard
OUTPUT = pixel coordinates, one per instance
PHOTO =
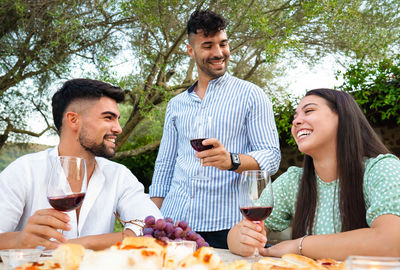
(99, 150)
(211, 73)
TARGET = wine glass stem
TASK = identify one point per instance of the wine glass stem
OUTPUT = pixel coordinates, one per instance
(256, 254)
(201, 172)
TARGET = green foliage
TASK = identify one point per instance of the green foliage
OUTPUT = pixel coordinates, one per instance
(11, 152)
(376, 88)
(283, 111)
(146, 132)
(142, 166)
(118, 227)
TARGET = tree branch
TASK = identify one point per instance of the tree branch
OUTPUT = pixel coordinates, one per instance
(137, 151)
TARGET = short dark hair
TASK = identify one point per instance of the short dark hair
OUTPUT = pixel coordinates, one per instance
(81, 89)
(205, 20)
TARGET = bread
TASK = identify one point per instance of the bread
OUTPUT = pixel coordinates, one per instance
(69, 256)
(236, 265)
(262, 266)
(132, 259)
(203, 258)
(271, 261)
(142, 242)
(301, 261)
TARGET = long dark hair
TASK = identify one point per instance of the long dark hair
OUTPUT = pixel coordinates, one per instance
(355, 140)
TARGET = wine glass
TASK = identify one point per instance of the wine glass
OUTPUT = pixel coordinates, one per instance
(256, 199)
(67, 183)
(201, 130)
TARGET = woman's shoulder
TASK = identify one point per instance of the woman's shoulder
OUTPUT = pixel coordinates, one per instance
(290, 177)
(382, 163)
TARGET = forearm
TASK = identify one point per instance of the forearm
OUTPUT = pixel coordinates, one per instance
(247, 163)
(9, 240)
(367, 242)
(101, 241)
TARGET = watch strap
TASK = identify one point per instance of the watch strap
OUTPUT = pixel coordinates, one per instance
(235, 161)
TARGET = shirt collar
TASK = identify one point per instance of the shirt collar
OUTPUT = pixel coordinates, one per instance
(217, 81)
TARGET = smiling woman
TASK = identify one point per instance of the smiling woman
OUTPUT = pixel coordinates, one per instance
(314, 127)
(345, 199)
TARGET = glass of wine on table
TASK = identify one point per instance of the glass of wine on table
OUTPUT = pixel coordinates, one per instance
(256, 199)
(67, 183)
(202, 128)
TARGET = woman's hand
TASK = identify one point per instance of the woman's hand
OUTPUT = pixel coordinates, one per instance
(282, 248)
(246, 236)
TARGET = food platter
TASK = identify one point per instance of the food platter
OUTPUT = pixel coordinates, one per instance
(148, 253)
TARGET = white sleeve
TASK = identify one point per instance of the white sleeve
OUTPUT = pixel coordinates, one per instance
(134, 204)
(13, 190)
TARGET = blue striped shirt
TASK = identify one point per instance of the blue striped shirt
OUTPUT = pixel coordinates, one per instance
(243, 122)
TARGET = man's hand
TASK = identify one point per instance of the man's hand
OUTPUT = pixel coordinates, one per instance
(246, 236)
(41, 227)
(217, 156)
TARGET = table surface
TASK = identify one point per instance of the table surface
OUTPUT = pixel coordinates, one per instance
(225, 255)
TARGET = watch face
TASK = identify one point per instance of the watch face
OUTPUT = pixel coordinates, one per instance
(235, 161)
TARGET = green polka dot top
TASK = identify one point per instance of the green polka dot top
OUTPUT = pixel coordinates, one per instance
(381, 193)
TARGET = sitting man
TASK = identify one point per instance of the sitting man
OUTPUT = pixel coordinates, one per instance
(86, 116)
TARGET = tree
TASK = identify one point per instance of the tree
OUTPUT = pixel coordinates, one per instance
(261, 33)
(376, 88)
(38, 41)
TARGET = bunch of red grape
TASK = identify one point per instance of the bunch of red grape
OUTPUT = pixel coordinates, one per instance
(165, 230)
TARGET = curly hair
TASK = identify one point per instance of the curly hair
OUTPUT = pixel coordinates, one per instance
(205, 20)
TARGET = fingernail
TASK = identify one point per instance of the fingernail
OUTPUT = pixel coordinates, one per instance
(68, 227)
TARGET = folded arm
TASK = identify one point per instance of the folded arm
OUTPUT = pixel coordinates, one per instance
(381, 239)
(102, 241)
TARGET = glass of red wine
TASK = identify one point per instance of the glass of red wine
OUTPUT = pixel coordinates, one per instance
(256, 199)
(67, 183)
(202, 128)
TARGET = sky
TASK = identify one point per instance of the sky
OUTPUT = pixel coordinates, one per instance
(322, 75)
(300, 78)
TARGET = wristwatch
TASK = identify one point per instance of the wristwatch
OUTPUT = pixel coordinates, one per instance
(235, 162)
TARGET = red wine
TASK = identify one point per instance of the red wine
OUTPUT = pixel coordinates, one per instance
(256, 213)
(66, 202)
(198, 145)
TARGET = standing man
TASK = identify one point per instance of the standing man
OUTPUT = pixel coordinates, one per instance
(245, 138)
(86, 116)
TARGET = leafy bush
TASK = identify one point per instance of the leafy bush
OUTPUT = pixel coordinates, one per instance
(376, 88)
